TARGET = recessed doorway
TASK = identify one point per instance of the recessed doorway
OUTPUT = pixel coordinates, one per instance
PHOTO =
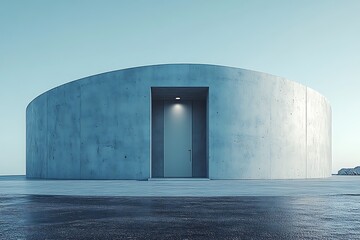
(179, 132)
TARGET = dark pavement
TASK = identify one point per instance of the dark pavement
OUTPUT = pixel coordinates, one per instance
(35, 217)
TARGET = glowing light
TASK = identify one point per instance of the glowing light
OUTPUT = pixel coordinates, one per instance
(177, 98)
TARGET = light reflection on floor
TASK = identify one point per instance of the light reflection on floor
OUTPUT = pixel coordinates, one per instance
(268, 217)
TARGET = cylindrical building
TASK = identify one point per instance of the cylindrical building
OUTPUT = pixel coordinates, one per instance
(179, 120)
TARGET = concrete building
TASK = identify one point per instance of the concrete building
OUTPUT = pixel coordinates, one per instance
(179, 120)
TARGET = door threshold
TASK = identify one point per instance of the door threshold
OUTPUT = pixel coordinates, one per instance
(178, 179)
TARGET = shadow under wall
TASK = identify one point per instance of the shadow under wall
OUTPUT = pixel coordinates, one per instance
(199, 129)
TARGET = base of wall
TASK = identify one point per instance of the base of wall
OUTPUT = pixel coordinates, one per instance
(178, 179)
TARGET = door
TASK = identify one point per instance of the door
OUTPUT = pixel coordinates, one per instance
(177, 139)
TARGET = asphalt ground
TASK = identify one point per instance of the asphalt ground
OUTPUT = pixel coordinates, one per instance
(36, 217)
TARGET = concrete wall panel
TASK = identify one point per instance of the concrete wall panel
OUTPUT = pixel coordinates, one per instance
(239, 123)
(259, 125)
(63, 132)
(114, 130)
(36, 138)
(288, 130)
(318, 136)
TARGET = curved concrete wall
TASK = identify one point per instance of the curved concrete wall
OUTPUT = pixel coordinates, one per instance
(260, 126)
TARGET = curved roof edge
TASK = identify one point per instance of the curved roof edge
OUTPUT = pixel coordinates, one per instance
(172, 64)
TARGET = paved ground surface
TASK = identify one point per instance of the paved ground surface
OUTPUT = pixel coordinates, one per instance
(34, 217)
(334, 185)
(182, 209)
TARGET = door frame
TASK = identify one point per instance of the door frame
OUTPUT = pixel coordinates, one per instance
(192, 93)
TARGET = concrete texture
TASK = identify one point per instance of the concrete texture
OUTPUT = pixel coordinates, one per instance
(259, 126)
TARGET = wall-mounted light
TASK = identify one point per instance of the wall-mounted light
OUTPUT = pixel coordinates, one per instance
(177, 98)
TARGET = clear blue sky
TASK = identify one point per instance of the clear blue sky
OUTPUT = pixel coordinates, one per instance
(47, 43)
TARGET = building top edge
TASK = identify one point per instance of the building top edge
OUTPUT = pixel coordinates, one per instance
(204, 65)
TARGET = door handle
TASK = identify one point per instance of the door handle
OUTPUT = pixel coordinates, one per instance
(190, 155)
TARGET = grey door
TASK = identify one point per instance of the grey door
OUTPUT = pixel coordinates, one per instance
(177, 139)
